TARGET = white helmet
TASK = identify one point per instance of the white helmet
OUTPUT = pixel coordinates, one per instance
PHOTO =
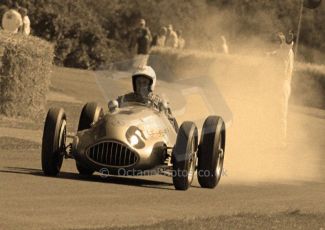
(145, 71)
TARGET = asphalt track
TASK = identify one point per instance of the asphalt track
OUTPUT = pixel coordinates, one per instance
(29, 200)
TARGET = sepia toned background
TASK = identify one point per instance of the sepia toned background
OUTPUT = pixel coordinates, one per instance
(78, 52)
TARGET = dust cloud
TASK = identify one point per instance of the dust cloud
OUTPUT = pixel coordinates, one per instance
(256, 148)
(251, 82)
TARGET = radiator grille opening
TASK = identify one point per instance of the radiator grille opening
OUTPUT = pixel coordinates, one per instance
(112, 153)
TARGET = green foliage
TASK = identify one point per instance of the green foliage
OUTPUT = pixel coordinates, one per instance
(263, 18)
(24, 75)
(203, 21)
(79, 38)
(90, 34)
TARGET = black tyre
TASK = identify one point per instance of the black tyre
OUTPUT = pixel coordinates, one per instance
(53, 143)
(211, 152)
(184, 156)
(90, 113)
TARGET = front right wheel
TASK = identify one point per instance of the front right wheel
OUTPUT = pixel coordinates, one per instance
(90, 113)
(211, 152)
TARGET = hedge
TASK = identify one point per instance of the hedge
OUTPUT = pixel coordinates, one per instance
(308, 85)
(25, 70)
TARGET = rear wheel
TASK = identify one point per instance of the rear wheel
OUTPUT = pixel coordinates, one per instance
(54, 141)
(211, 152)
(91, 113)
(184, 156)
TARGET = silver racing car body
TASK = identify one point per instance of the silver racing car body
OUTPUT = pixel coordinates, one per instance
(138, 133)
(134, 137)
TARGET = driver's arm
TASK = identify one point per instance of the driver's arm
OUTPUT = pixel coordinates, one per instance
(130, 97)
(122, 100)
(161, 104)
(168, 112)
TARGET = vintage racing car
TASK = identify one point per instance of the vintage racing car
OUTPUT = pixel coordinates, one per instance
(134, 140)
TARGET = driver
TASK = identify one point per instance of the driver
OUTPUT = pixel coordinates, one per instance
(144, 82)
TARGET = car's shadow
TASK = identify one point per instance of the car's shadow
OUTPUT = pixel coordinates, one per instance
(127, 181)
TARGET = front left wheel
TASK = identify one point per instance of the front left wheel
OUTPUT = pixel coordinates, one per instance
(211, 152)
(184, 156)
(54, 141)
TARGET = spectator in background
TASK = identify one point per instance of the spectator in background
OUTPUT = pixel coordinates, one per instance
(25, 29)
(136, 34)
(160, 39)
(171, 40)
(291, 37)
(141, 41)
(285, 56)
(289, 63)
(181, 40)
(225, 49)
(12, 20)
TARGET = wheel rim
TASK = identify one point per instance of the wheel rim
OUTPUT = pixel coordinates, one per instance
(219, 159)
(61, 142)
(192, 163)
(62, 136)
